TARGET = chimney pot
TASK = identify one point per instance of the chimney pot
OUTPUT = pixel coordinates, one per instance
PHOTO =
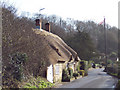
(47, 26)
(38, 24)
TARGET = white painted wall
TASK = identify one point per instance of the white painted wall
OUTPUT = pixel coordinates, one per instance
(58, 72)
(50, 73)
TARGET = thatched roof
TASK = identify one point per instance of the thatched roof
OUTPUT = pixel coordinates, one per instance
(58, 50)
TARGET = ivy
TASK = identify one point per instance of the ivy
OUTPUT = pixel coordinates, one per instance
(16, 61)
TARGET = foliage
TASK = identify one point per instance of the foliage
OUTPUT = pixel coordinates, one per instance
(81, 41)
(18, 36)
(37, 83)
(110, 69)
(90, 63)
(113, 69)
(109, 61)
(18, 58)
(82, 68)
(17, 61)
(75, 75)
(65, 75)
(82, 72)
(118, 63)
(113, 54)
(8, 81)
(118, 85)
(100, 66)
(82, 63)
(70, 70)
(13, 73)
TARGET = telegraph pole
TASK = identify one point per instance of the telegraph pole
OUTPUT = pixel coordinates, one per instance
(105, 37)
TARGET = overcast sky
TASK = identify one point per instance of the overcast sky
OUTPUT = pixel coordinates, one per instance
(83, 10)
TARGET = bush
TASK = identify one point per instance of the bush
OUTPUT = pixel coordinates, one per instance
(90, 64)
(16, 62)
(118, 85)
(118, 73)
(80, 66)
(75, 75)
(70, 70)
(109, 61)
(100, 66)
(37, 83)
(82, 72)
(83, 67)
(86, 73)
(65, 76)
(111, 69)
(13, 72)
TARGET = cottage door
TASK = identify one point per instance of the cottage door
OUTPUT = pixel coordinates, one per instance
(50, 73)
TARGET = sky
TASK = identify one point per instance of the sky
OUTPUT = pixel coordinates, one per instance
(83, 10)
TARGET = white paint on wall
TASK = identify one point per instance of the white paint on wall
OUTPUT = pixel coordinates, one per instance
(50, 73)
(57, 68)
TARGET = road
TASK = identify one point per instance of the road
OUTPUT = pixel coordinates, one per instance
(96, 79)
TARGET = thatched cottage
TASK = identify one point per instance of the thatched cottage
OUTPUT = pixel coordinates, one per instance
(60, 55)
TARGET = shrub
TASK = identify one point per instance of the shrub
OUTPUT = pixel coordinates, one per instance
(13, 72)
(38, 83)
(83, 65)
(100, 66)
(90, 64)
(82, 72)
(86, 73)
(109, 61)
(70, 70)
(118, 85)
(17, 60)
(78, 67)
(75, 75)
(111, 69)
(65, 75)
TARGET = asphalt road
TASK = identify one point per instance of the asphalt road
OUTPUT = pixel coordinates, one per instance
(96, 79)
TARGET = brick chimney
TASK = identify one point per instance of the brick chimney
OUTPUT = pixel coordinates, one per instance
(38, 24)
(47, 27)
